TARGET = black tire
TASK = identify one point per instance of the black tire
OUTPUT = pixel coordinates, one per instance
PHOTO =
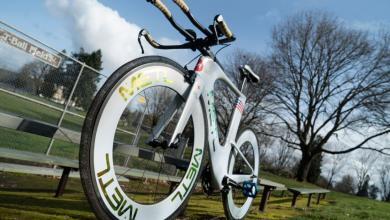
(85, 155)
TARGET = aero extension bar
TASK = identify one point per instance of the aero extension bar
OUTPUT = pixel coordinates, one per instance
(220, 28)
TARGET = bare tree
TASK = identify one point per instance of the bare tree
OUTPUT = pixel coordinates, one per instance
(336, 164)
(362, 169)
(32, 73)
(253, 115)
(331, 80)
(284, 157)
(384, 181)
(265, 143)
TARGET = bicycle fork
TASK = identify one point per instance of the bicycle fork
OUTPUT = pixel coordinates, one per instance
(192, 99)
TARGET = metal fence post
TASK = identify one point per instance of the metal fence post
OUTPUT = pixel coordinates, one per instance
(66, 107)
(136, 138)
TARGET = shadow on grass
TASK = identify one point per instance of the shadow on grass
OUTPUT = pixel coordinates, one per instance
(280, 201)
(32, 190)
(202, 217)
(31, 202)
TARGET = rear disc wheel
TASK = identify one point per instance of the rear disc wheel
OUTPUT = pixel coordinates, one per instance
(236, 205)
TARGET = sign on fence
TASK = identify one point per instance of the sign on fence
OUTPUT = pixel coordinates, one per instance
(40, 53)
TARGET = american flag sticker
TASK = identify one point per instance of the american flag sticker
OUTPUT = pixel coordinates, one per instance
(240, 106)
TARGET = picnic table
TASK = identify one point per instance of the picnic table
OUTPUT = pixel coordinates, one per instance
(306, 191)
(268, 186)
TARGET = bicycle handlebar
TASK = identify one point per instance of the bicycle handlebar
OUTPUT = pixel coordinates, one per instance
(202, 44)
(148, 37)
(155, 44)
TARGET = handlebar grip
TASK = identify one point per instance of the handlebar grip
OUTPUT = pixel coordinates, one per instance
(184, 7)
(224, 27)
(149, 38)
(161, 6)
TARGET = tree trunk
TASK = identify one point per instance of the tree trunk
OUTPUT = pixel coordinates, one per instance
(304, 166)
(329, 182)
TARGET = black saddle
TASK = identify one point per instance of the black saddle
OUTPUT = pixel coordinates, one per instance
(247, 72)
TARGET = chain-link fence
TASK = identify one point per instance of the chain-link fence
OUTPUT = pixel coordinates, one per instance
(40, 83)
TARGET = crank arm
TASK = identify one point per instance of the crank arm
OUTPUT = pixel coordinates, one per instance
(226, 182)
(240, 178)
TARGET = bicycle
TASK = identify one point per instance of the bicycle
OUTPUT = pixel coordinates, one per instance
(153, 122)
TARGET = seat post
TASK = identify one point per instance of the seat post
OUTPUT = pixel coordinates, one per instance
(243, 84)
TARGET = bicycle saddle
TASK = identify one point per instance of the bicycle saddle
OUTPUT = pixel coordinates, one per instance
(246, 71)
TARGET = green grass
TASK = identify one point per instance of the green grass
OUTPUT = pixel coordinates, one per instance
(31, 197)
(27, 109)
(13, 139)
(29, 142)
(343, 206)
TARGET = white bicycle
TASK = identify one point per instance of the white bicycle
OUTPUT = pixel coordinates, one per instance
(146, 134)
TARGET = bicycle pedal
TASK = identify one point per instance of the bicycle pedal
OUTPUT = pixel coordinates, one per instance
(249, 189)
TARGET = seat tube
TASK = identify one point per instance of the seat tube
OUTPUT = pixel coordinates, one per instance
(235, 121)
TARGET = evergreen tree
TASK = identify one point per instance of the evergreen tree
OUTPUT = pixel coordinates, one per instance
(51, 81)
(346, 184)
(87, 84)
(373, 191)
(363, 191)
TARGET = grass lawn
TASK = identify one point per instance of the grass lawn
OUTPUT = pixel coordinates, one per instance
(31, 197)
(13, 139)
(24, 141)
(27, 109)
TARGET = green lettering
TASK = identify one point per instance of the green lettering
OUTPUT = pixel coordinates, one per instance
(191, 173)
(176, 195)
(190, 176)
(122, 211)
(104, 186)
(118, 198)
(101, 173)
(137, 82)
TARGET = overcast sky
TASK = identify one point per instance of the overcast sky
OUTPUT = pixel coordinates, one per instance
(113, 25)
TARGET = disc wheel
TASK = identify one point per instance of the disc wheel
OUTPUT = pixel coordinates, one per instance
(236, 205)
(127, 169)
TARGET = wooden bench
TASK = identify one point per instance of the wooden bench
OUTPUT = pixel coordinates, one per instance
(67, 165)
(305, 191)
(268, 186)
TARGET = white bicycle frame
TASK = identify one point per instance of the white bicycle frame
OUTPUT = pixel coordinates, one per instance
(207, 72)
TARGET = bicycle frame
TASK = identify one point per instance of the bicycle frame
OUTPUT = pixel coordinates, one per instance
(207, 73)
